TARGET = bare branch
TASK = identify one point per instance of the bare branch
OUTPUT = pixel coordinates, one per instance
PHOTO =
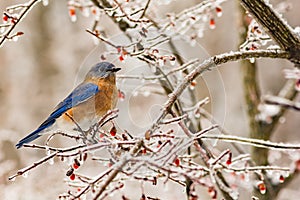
(275, 26)
(253, 142)
(26, 8)
(208, 65)
(275, 100)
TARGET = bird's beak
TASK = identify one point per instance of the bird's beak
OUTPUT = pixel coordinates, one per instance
(115, 69)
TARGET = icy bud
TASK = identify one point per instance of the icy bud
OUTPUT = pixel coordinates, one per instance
(72, 13)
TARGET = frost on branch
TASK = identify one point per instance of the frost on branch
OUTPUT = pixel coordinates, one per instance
(159, 159)
(174, 149)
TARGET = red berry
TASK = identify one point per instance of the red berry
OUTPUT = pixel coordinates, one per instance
(75, 166)
(119, 49)
(242, 176)
(113, 131)
(218, 9)
(177, 162)
(121, 58)
(262, 187)
(19, 33)
(94, 11)
(72, 11)
(5, 18)
(72, 177)
(121, 95)
(212, 23)
(281, 178)
(228, 162)
(210, 189)
(144, 151)
(101, 135)
(109, 164)
(193, 83)
(212, 192)
(97, 33)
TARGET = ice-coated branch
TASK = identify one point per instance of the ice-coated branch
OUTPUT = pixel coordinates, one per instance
(122, 163)
(16, 20)
(33, 165)
(275, 26)
(275, 100)
(210, 64)
(253, 142)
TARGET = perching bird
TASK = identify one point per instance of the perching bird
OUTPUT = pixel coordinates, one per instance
(87, 103)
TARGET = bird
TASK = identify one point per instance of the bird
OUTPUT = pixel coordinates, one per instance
(87, 103)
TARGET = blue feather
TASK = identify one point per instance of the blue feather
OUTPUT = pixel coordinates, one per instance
(80, 94)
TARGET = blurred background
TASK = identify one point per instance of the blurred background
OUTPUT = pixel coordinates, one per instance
(52, 57)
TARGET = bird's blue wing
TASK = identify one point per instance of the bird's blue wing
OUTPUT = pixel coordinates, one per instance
(80, 94)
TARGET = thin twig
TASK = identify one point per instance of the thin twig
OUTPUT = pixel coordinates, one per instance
(26, 9)
(253, 142)
(33, 165)
(275, 100)
(208, 65)
(118, 168)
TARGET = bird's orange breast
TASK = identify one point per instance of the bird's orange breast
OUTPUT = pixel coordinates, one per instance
(98, 105)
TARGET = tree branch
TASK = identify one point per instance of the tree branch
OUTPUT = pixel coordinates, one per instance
(275, 100)
(23, 13)
(275, 27)
(253, 142)
(210, 64)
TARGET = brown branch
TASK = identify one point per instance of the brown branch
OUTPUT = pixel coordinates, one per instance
(252, 99)
(26, 9)
(122, 163)
(253, 142)
(288, 92)
(205, 66)
(208, 65)
(145, 9)
(128, 17)
(123, 25)
(283, 102)
(275, 27)
(96, 3)
(98, 178)
(33, 165)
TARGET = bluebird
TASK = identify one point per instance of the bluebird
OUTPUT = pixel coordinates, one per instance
(88, 102)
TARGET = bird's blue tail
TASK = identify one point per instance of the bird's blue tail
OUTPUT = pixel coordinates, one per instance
(81, 94)
(35, 134)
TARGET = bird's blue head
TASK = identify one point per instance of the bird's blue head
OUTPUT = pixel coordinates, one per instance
(102, 70)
